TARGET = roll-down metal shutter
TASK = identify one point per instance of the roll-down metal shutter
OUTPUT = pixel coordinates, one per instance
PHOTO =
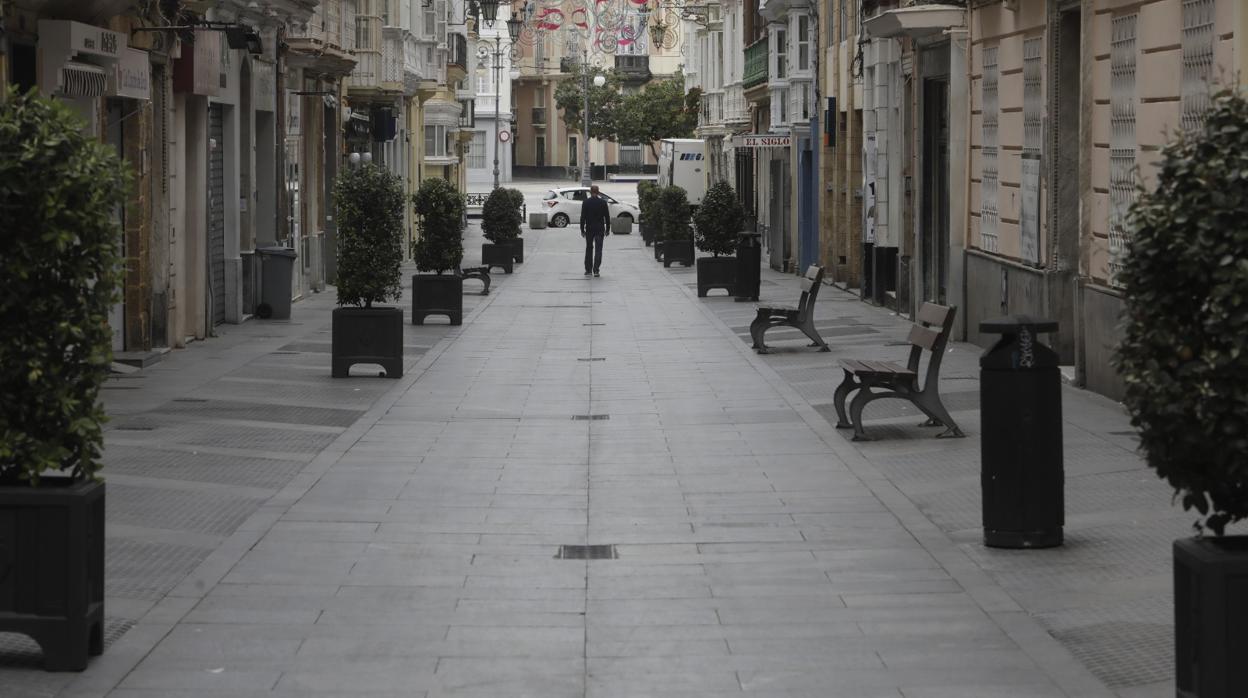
(216, 213)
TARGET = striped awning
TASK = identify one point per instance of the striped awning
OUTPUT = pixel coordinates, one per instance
(83, 80)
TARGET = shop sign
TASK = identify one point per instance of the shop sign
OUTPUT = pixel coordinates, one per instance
(263, 85)
(762, 140)
(132, 75)
(83, 38)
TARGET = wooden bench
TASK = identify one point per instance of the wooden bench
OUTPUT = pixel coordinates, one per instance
(482, 274)
(801, 316)
(876, 380)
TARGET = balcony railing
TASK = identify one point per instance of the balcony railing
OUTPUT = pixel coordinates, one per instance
(392, 58)
(367, 72)
(459, 51)
(755, 64)
(468, 117)
(539, 116)
(633, 67)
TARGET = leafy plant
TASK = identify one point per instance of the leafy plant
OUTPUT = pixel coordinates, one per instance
(673, 212)
(604, 103)
(59, 273)
(662, 110)
(500, 217)
(1184, 351)
(718, 219)
(369, 201)
(440, 218)
(517, 208)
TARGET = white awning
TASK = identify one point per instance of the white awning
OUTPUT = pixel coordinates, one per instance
(914, 21)
(83, 80)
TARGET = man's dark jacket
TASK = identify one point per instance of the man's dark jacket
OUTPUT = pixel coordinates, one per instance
(594, 216)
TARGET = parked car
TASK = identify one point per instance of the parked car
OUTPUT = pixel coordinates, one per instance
(563, 206)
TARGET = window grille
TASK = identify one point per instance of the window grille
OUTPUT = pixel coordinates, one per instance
(476, 151)
(988, 212)
(1198, 38)
(1122, 55)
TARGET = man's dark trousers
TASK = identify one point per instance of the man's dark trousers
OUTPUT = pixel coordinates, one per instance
(593, 251)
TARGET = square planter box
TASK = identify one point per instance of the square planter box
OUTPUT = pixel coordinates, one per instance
(537, 221)
(367, 336)
(658, 250)
(437, 294)
(497, 256)
(517, 250)
(647, 235)
(622, 225)
(52, 568)
(678, 251)
(716, 272)
(1210, 635)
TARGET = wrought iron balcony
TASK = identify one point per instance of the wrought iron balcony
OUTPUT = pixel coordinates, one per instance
(539, 116)
(755, 72)
(633, 68)
(459, 51)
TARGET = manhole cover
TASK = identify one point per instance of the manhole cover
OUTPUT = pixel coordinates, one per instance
(587, 552)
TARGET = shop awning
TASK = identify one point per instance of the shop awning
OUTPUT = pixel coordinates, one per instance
(83, 80)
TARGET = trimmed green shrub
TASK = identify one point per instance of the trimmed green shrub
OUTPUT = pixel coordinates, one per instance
(1184, 351)
(647, 195)
(369, 201)
(440, 218)
(59, 275)
(673, 213)
(517, 207)
(500, 218)
(718, 220)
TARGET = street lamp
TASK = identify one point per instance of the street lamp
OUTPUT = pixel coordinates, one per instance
(599, 81)
(489, 13)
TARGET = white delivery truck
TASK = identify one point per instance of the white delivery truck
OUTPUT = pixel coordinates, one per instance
(682, 162)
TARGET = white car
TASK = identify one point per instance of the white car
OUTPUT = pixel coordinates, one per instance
(563, 206)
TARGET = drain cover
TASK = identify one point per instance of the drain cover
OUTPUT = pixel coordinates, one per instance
(189, 399)
(593, 324)
(587, 552)
(593, 358)
(589, 417)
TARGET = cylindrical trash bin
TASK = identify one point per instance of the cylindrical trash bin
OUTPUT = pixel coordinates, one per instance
(276, 266)
(749, 261)
(1020, 402)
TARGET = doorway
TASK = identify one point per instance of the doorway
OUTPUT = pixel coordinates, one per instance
(216, 212)
(117, 313)
(540, 144)
(935, 190)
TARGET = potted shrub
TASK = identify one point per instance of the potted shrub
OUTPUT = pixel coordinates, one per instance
(1183, 362)
(647, 192)
(498, 225)
(369, 203)
(59, 275)
(716, 223)
(517, 242)
(673, 212)
(440, 219)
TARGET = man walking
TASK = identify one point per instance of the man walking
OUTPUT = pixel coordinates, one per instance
(594, 217)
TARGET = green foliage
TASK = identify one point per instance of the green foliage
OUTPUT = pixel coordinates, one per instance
(517, 208)
(673, 213)
(440, 218)
(59, 273)
(1184, 352)
(662, 110)
(500, 219)
(369, 202)
(604, 103)
(647, 196)
(718, 220)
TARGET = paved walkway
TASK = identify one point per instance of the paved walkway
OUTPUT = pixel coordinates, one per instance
(276, 532)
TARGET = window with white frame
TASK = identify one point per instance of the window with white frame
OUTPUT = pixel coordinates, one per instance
(780, 48)
(803, 42)
(1197, 61)
(476, 151)
(435, 141)
(430, 22)
(1122, 58)
(440, 30)
(988, 183)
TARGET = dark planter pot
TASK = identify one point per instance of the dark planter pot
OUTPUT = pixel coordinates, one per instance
(647, 235)
(438, 294)
(497, 256)
(658, 250)
(1210, 637)
(517, 249)
(367, 336)
(678, 251)
(52, 568)
(716, 272)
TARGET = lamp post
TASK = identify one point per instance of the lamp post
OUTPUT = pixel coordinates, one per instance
(489, 13)
(599, 81)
